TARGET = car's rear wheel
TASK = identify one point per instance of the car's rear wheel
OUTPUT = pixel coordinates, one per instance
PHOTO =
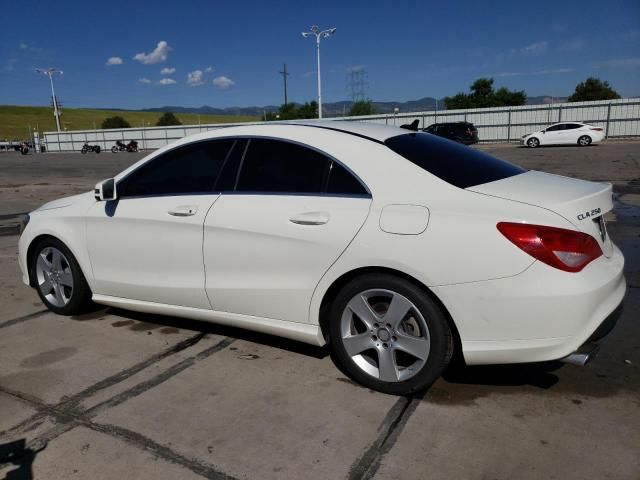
(388, 335)
(59, 279)
(533, 142)
(584, 141)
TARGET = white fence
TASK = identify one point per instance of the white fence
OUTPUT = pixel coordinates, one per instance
(619, 118)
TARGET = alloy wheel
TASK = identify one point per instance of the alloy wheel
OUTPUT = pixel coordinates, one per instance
(54, 276)
(385, 335)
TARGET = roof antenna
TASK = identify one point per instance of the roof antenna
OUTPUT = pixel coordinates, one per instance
(413, 126)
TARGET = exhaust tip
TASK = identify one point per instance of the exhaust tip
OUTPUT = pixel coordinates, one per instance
(583, 355)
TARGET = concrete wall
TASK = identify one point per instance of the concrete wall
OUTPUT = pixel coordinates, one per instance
(619, 118)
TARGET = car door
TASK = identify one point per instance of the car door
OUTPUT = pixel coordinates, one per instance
(147, 245)
(270, 238)
(552, 135)
(571, 133)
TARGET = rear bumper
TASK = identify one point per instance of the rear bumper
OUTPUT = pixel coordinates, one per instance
(542, 314)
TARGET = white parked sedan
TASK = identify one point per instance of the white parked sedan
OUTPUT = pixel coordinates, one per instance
(566, 133)
(399, 249)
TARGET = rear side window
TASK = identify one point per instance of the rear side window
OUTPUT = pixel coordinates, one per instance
(188, 169)
(456, 164)
(282, 167)
(342, 182)
(572, 126)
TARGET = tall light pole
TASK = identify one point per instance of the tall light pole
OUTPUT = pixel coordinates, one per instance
(315, 31)
(49, 72)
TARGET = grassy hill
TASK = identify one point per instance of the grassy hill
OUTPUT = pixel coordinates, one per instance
(15, 121)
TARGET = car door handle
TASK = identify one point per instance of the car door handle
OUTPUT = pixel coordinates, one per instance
(310, 218)
(183, 211)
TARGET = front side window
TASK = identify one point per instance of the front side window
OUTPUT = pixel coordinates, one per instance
(282, 167)
(456, 164)
(189, 169)
(555, 128)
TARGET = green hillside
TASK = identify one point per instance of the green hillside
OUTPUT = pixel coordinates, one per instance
(15, 121)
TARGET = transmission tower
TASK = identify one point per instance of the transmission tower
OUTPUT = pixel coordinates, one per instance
(357, 84)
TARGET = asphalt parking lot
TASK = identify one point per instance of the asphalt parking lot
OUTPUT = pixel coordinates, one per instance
(115, 394)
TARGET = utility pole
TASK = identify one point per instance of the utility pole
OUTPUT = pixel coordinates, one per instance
(284, 76)
(49, 72)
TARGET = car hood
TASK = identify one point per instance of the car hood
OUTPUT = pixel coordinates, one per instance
(62, 202)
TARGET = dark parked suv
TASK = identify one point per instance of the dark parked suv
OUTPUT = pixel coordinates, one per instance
(462, 132)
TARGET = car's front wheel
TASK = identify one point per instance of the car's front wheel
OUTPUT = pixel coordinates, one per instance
(59, 279)
(388, 335)
(533, 142)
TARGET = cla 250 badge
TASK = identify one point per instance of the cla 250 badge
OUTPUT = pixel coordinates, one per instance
(592, 213)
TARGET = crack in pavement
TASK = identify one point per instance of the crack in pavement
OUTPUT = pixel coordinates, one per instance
(68, 416)
(365, 467)
(23, 318)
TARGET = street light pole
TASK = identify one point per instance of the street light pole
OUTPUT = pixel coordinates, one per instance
(315, 31)
(49, 73)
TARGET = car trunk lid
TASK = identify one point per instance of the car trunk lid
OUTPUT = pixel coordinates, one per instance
(581, 202)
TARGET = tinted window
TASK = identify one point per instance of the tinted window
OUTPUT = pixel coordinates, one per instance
(572, 126)
(341, 181)
(188, 169)
(454, 163)
(229, 175)
(276, 166)
(555, 128)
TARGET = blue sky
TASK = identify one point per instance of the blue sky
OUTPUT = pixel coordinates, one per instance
(410, 49)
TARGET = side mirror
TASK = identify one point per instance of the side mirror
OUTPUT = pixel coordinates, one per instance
(106, 190)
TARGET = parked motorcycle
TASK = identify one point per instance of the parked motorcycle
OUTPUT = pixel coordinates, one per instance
(90, 148)
(132, 146)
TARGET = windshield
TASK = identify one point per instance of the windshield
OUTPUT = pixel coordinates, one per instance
(452, 162)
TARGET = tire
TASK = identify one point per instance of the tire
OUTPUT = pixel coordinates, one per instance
(68, 293)
(363, 342)
(114, 149)
(533, 142)
(584, 141)
(97, 149)
(83, 151)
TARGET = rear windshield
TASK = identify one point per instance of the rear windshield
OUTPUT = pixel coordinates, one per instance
(452, 162)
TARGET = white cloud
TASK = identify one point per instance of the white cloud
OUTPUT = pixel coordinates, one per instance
(144, 80)
(166, 81)
(574, 45)
(553, 70)
(195, 78)
(223, 82)
(208, 69)
(507, 74)
(114, 61)
(159, 54)
(619, 63)
(535, 48)
(23, 46)
(167, 71)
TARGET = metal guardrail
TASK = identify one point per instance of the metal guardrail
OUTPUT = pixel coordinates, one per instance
(620, 118)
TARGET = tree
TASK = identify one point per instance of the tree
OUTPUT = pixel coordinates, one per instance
(482, 96)
(115, 122)
(362, 107)
(593, 89)
(168, 119)
(291, 111)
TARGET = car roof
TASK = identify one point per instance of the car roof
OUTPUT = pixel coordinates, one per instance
(369, 130)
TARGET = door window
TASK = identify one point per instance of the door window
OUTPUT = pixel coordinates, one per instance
(555, 128)
(189, 169)
(282, 167)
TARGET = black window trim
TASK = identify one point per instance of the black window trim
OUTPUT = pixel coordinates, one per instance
(236, 138)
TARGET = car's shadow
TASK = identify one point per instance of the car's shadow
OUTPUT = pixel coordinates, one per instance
(222, 330)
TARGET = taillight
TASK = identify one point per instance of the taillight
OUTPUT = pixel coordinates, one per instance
(566, 250)
(597, 129)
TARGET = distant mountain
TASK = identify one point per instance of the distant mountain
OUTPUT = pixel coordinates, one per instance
(336, 109)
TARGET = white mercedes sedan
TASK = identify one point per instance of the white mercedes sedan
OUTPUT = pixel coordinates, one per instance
(567, 133)
(399, 249)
